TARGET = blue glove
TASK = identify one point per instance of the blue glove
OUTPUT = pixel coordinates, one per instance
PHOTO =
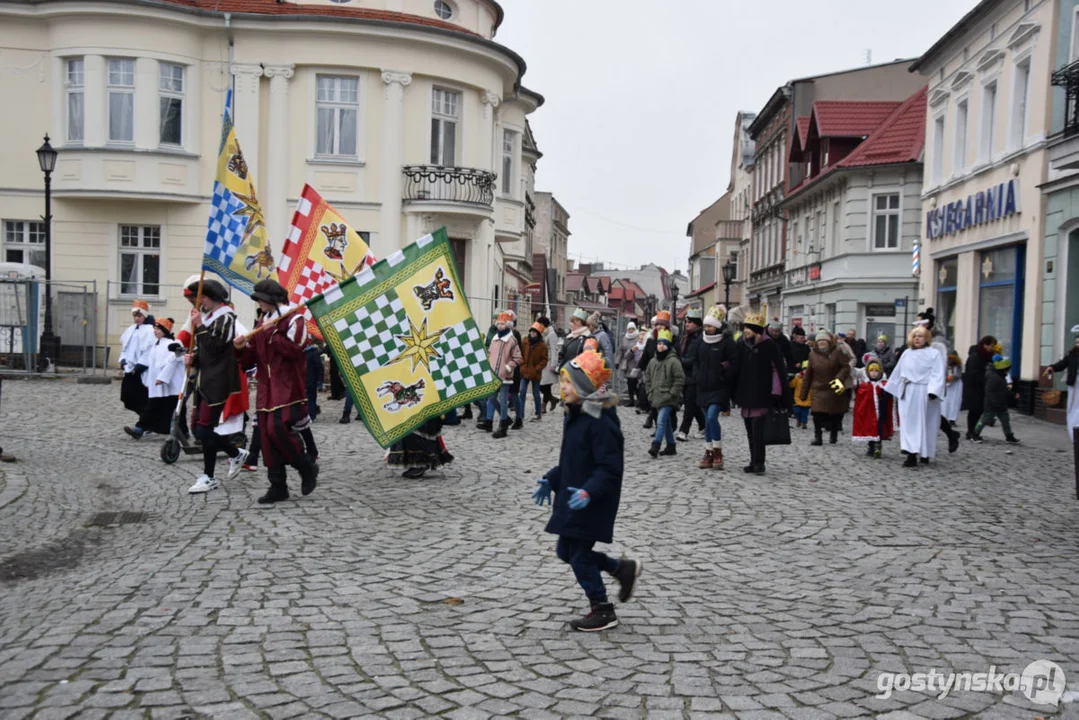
(543, 492)
(579, 499)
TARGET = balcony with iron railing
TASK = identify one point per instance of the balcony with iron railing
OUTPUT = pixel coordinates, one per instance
(1064, 145)
(460, 187)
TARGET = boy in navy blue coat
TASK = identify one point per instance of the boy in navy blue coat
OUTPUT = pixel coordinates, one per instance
(587, 483)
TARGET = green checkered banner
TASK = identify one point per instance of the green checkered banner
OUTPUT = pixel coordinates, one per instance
(403, 335)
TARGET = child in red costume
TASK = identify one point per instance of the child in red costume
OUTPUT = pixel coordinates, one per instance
(872, 408)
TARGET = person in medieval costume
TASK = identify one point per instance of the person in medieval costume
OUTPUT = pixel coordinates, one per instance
(165, 381)
(235, 408)
(872, 406)
(1070, 364)
(918, 385)
(421, 450)
(217, 377)
(277, 351)
(135, 346)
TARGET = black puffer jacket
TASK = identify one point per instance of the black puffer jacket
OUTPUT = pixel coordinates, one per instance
(752, 378)
(974, 378)
(996, 390)
(687, 351)
(713, 371)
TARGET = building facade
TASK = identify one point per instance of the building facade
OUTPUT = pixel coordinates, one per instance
(984, 229)
(405, 120)
(706, 256)
(743, 158)
(551, 239)
(518, 243)
(855, 217)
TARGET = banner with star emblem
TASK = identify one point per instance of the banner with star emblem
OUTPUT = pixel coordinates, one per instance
(236, 247)
(321, 251)
(403, 335)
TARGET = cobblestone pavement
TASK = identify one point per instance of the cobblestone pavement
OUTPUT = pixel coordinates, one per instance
(763, 597)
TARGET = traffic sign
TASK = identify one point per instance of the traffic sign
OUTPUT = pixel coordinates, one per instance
(900, 302)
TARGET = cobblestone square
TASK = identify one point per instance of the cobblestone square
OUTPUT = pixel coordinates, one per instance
(781, 596)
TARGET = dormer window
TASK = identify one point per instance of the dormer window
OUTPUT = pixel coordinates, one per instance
(443, 9)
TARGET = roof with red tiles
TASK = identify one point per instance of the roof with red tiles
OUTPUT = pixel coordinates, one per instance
(574, 282)
(900, 138)
(844, 118)
(803, 129)
(272, 7)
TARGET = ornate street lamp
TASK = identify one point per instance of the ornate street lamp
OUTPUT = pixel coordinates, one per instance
(49, 347)
(673, 285)
(728, 278)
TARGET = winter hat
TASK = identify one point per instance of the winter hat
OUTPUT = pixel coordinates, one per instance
(580, 315)
(589, 374)
(191, 286)
(538, 327)
(823, 334)
(870, 357)
(1075, 329)
(755, 322)
(798, 330)
(694, 314)
(775, 324)
(140, 306)
(715, 317)
(631, 328)
(1001, 363)
(594, 320)
(270, 291)
(655, 319)
(882, 338)
(874, 363)
(664, 336)
(165, 324)
(663, 317)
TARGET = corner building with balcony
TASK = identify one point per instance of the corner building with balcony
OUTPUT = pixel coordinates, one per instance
(988, 123)
(405, 115)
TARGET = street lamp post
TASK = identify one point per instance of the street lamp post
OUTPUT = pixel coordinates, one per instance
(728, 278)
(49, 346)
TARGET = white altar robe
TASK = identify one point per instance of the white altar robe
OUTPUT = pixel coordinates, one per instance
(919, 374)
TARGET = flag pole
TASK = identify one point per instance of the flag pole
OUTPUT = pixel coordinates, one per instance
(198, 294)
(273, 323)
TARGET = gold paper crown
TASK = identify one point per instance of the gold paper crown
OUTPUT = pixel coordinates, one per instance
(756, 318)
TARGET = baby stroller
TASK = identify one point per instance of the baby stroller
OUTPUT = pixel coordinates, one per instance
(180, 439)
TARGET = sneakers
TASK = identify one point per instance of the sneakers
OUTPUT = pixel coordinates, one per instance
(706, 461)
(601, 617)
(680, 437)
(1011, 439)
(626, 575)
(135, 432)
(975, 438)
(537, 418)
(204, 485)
(877, 453)
(251, 468)
(670, 450)
(237, 463)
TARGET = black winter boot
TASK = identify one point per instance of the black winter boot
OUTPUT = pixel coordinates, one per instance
(911, 461)
(601, 617)
(485, 425)
(502, 430)
(871, 449)
(345, 419)
(671, 449)
(517, 424)
(654, 450)
(308, 476)
(468, 413)
(818, 433)
(833, 434)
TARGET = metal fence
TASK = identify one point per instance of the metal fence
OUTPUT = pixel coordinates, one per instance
(75, 316)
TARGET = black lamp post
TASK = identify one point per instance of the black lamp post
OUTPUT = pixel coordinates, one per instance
(674, 297)
(49, 347)
(728, 278)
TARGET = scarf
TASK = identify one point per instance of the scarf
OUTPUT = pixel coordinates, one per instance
(713, 339)
(579, 331)
(632, 337)
(503, 333)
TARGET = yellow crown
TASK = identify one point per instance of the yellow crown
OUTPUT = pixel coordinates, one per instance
(333, 231)
(755, 318)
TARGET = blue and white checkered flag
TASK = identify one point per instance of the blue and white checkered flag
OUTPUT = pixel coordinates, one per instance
(225, 231)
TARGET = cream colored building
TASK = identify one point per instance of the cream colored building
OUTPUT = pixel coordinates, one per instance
(743, 157)
(404, 114)
(987, 124)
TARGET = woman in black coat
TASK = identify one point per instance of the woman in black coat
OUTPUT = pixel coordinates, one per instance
(760, 384)
(715, 351)
(978, 359)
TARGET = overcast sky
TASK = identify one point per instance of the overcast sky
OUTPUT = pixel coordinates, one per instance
(642, 95)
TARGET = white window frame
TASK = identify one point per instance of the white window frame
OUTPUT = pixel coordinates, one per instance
(510, 143)
(836, 210)
(170, 93)
(145, 235)
(732, 258)
(337, 105)
(119, 88)
(937, 176)
(26, 244)
(961, 136)
(442, 117)
(449, 6)
(73, 88)
(1019, 120)
(896, 212)
(821, 228)
(988, 125)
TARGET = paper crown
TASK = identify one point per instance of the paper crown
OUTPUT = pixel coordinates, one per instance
(505, 317)
(663, 316)
(580, 315)
(874, 363)
(694, 313)
(140, 306)
(664, 336)
(1001, 363)
(538, 327)
(165, 324)
(755, 320)
(590, 366)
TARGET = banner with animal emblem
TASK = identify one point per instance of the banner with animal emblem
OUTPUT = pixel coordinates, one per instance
(322, 250)
(236, 247)
(404, 337)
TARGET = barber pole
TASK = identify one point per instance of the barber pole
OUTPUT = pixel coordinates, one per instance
(915, 265)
